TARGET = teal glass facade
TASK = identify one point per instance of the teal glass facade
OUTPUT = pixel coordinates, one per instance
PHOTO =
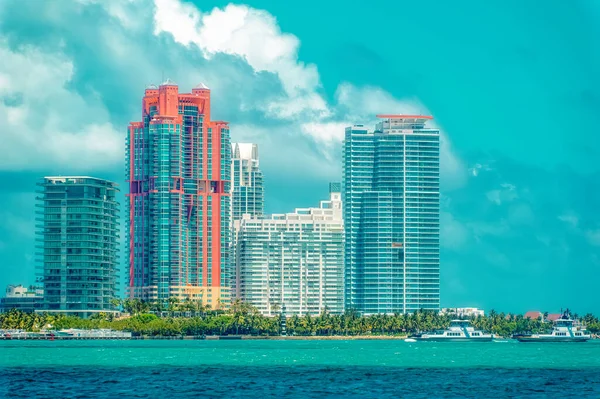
(391, 214)
(77, 244)
(179, 174)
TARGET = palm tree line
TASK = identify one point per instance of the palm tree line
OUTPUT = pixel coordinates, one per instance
(177, 318)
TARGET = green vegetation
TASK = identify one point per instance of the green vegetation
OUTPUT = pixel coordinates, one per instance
(242, 318)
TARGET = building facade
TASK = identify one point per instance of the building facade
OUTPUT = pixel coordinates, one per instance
(24, 299)
(77, 244)
(293, 260)
(178, 170)
(463, 312)
(248, 193)
(391, 196)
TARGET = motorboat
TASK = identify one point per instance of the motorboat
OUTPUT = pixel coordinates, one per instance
(459, 331)
(564, 329)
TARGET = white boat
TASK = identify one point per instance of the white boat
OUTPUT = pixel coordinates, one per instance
(459, 331)
(564, 329)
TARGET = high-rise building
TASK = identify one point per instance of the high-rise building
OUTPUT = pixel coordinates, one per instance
(293, 260)
(391, 195)
(78, 243)
(248, 194)
(178, 170)
(247, 191)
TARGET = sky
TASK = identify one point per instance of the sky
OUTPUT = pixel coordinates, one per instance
(513, 86)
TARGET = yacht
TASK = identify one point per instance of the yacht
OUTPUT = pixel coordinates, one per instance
(564, 329)
(459, 331)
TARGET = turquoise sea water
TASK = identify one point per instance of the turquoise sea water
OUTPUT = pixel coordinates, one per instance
(297, 369)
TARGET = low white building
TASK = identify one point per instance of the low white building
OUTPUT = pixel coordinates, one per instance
(293, 259)
(463, 312)
(19, 297)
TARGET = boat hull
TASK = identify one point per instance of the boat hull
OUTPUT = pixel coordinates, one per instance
(552, 339)
(453, 339)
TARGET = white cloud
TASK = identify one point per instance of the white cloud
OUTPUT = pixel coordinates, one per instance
(286, 153)
(482, 229)
(327, 132)
(179, 19)
(46, 125)
(476, 169)
(75, 128)
(521, 214)
(506, 193)
(121, 10)
(453, 234)
(366, 102)
(362, 104)
(569, 218)
(254, 36)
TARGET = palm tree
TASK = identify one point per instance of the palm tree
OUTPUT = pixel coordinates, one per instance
(157, 306)
(172, 304)
(275, 307)
(116, 303)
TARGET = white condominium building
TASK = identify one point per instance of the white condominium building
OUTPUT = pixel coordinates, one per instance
(294, 259)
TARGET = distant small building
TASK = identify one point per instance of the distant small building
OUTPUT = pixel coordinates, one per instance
(553, 316)
(463, 312)
(533, 315)
(25, 299)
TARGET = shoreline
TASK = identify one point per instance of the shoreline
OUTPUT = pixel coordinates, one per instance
(223, 338)
(209, 338)
(318, 337)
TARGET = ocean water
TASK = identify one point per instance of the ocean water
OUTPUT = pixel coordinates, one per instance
(297, 369)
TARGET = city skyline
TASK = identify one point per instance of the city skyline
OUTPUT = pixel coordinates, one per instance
(519, 191)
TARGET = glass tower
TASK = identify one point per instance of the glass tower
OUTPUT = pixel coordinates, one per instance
(247, 192)
(248, 195)
(77, 244)
(293, 260)
(391, 202)
(178, 170)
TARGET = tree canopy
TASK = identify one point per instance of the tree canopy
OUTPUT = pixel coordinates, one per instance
(241, 318)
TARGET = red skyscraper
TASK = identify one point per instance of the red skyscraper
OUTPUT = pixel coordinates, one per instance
(178, 169)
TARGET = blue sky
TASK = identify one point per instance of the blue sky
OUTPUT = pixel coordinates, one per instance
(513, 85)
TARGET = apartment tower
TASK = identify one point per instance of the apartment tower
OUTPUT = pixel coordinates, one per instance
(293, 260)
(77, 244)
(178, 170)
(248, 193)
(391, 196)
